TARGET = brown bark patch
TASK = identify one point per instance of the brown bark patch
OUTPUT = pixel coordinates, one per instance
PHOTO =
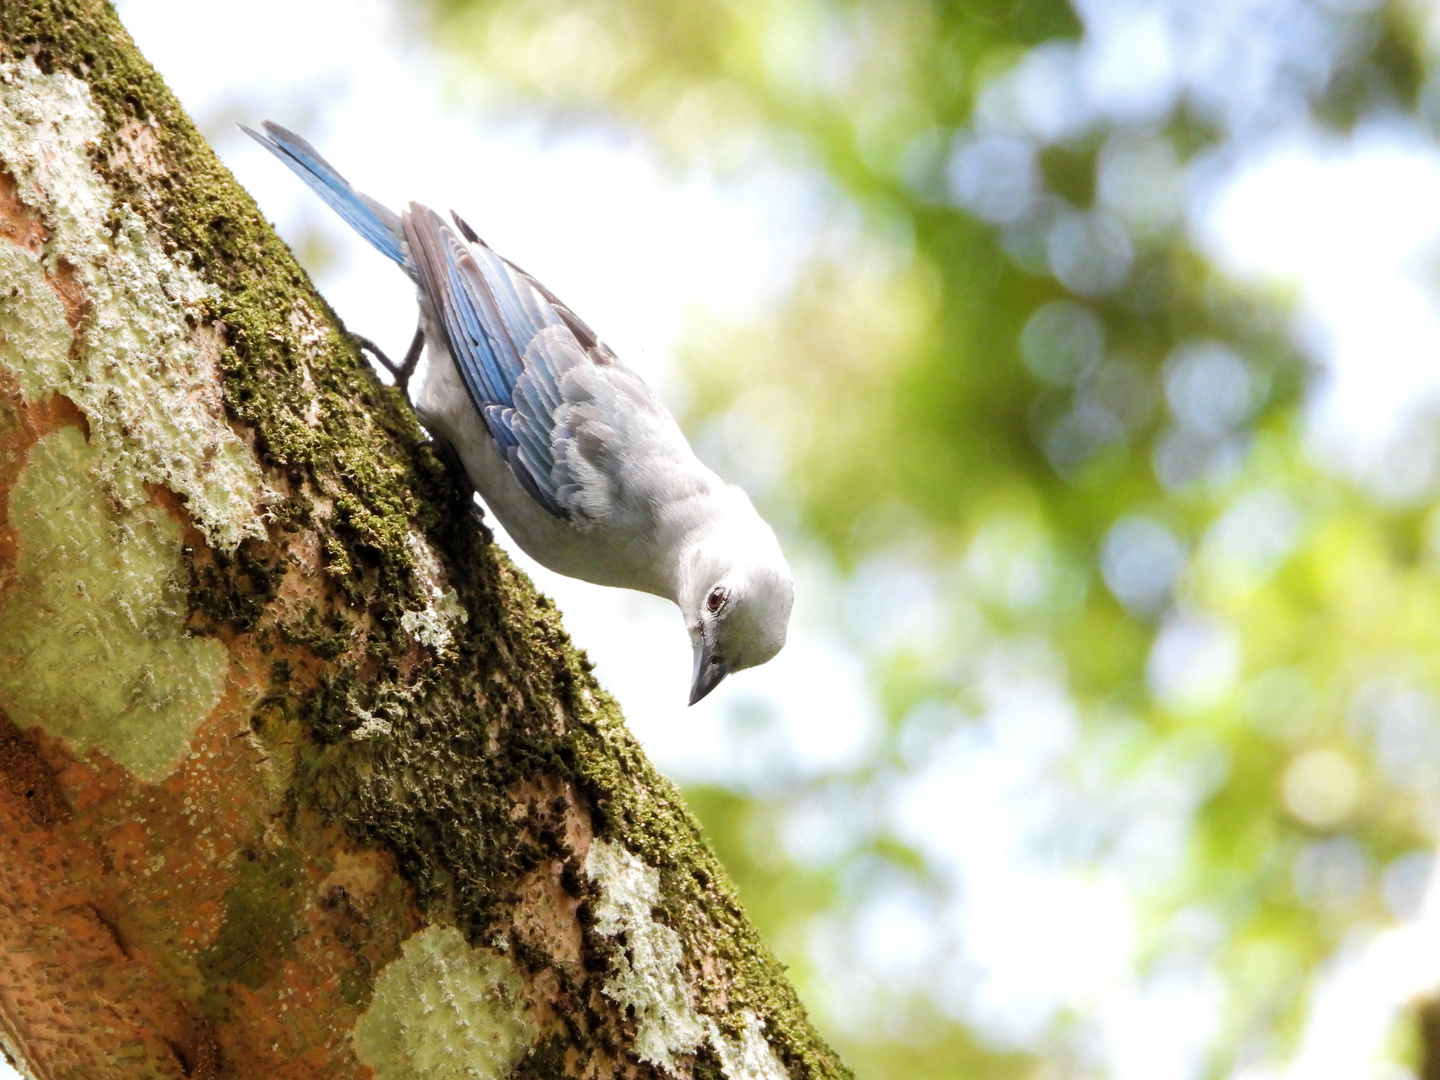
(139, 148)
(18, 223)
(27, 776)
(198, 1051)
(71, 994)
(72, 298)
(178, 930)
(546, 917)
(23, 227)
(360, 876)
(553, 814)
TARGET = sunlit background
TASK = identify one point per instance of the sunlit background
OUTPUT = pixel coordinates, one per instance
(1088, 361)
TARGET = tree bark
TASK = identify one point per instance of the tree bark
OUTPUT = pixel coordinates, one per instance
(298, 776)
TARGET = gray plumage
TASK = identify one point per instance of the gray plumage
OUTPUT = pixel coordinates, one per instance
(568, 447)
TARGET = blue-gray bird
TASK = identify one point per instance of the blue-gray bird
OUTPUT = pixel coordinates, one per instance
(568, 447)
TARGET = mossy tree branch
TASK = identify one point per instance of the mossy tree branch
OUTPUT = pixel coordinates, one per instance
(299, 778)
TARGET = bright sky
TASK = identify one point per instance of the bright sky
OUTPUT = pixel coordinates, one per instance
(634, 246)
(1352, 225)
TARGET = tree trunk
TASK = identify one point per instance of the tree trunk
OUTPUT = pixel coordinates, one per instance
(298, 776)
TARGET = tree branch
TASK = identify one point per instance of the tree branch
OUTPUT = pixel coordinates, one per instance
(298, 775)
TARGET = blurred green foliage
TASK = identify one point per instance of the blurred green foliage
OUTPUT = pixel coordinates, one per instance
(1007, 373)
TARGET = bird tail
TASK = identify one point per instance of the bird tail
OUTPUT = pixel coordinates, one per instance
(376, 223)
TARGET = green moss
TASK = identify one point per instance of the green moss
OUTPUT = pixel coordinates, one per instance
(233, 589)
(326, 635)
(545, 1061)
(357, 983)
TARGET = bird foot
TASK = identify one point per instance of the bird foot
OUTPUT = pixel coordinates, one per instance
(402, 371)
(477, 518)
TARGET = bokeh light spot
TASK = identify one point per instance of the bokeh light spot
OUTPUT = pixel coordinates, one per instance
(1141, 560)
(1208, 387)
(1090, 253)
(1330, 875)
(1062, 341)
(1193, 662)
(994, 177)
(1321, 788)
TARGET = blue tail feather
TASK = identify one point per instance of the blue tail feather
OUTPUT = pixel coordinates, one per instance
(374, 222)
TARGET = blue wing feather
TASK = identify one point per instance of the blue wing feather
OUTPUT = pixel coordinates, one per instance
(465, 325)
(512, 341)
(483, 321)
(497, 420)
(490, 329)
(526, 393)
(545, 367)
(536, 453)
(519, 322)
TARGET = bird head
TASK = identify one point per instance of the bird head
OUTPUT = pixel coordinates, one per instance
(736, 603)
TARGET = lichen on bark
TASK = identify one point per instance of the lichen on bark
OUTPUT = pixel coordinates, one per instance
(147, 393)
(405, 765)
(444, 1010)
(97, 592)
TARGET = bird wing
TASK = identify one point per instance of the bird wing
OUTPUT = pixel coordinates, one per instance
(583, 434)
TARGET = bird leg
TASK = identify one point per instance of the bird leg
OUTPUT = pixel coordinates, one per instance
(403, 370)
(443, 450)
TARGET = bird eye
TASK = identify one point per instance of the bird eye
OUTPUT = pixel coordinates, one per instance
(716, 600)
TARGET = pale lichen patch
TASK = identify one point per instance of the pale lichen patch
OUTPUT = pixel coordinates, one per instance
(33, 329)
(47, 125)
(433, 625)
(646, 975)
(313, 335)
(749, 1056)
(445, 1011)
(137, 368)
(100, 589)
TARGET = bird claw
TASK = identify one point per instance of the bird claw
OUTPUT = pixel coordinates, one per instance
(402, 371)
(477, 518)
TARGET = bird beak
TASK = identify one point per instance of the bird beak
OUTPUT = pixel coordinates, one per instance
(709, 671)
